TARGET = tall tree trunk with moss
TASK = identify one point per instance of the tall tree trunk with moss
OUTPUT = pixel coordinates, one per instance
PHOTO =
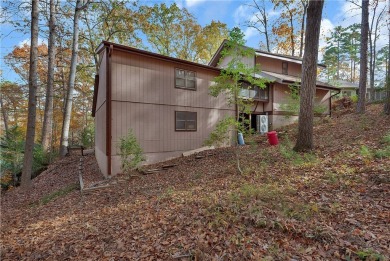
(309, 76)
(32, 93)
(48, 114)
(80, 6)
(361, 105)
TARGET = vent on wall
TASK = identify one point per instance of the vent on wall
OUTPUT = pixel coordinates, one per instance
(262, 123)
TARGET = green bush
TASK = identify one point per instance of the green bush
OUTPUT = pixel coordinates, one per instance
(220, 134)
(12, 155)
(354, 98)
(88, 136)
(131, 152)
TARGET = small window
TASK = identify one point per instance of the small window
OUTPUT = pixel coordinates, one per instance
(185, 121)
(185, 79)
(285, 67)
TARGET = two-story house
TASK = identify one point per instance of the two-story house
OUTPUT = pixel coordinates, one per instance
(166, 101)
(282, 71)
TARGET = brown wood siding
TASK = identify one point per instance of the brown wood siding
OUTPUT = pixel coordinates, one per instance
(154, 126)
(322, 98)
(100, 138)
(144, 99)
(282, 92)
(100, 118)
(275, 65)
(248, 61)
(102, 82)
(147, 80)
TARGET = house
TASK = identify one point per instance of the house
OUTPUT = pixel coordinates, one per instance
(347, 88)
(166, 101)
(282, 71)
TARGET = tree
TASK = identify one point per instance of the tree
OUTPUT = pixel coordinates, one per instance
(309, 75)
(373, 35)
(80, 6)
(304, 4)
(110, 20)
(33, 86)
(235, 77)
(261, 22)
(163, 26)
(210, 39)
(48, 114)
(386, 107)
(287, 25)
(341, 53)
(361, 105)
(14, 103)
(19, 61)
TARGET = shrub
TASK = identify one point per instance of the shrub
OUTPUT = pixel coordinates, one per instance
(12, 154)
(88, 136)
(354, 98)
(131, 152)
(220, 135)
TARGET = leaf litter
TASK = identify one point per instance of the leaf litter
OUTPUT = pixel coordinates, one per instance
(332, 204)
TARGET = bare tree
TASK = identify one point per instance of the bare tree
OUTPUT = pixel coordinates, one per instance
(48, 114)
(32, 93)
(309, 76)
(261, 23)
(373, 35)
(361, 105)
(80, 6)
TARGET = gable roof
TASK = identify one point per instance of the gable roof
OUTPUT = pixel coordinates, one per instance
(214, 61)
(288, 79)
(345, 84)
(105, 44)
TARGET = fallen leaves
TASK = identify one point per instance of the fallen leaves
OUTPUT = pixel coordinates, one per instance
(329, 206)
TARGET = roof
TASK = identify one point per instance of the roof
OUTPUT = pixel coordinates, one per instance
(289, 58)
(288, 79)
(345, 84)
(125, 48)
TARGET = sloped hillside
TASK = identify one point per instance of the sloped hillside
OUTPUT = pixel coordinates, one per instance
(332, 204)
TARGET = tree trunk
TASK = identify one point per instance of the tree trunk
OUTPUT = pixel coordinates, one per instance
(48, 114)
(386, 107)
(361, 105)
(32, 93)
(304, 4)
(292, 35)
(309, 76)
(5, 116)
(72, 76)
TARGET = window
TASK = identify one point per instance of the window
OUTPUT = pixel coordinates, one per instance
(285, 67)
(185, 121)
(185, 79)
(255, 92)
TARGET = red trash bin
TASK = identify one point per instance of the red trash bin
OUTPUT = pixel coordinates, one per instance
(272, 138)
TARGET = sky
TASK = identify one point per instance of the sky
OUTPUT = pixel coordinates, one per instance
(232, 12)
